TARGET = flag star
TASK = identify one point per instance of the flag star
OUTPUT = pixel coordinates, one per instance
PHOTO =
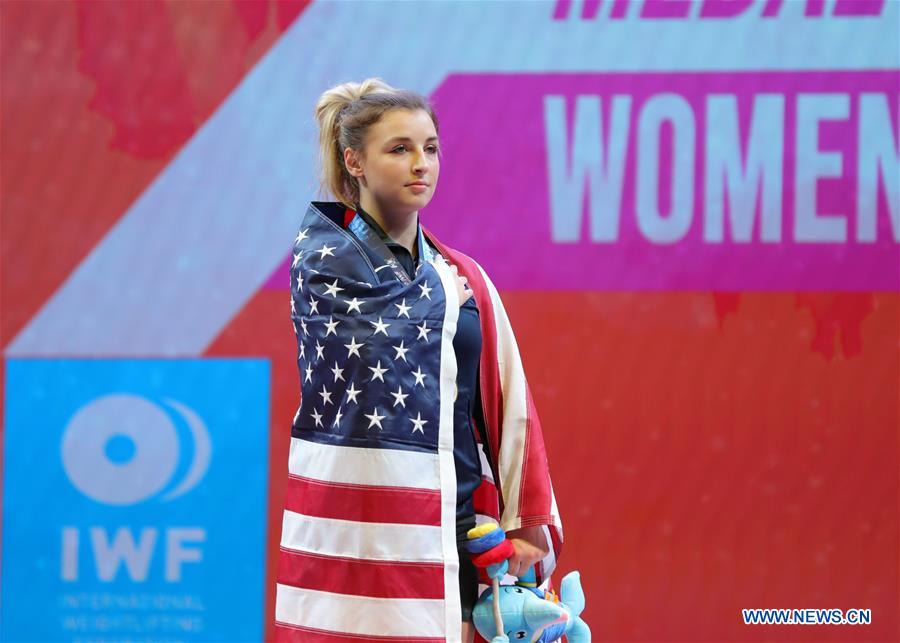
(374, 419)
(401, 352)
(319, 349)
(302, 350)
(297, 258)
(425, 290)
(423, 331)
(301, 236)
(313, 306)
(418, 423)
(317, 417)
(352, 392)
(299, 282)
(337, 419)
(380, 327)
(400, 397)
(293, 306)
(353, 303)
(333, 289)
(353, 348)
(338, 373)
(325, 250)
(420, 376)
(331, 325)
(403, 308)
(303, 326)
(378, 372)
(326, 396)
(308, 377)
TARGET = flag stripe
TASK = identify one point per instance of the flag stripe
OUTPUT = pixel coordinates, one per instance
(357, 465)
(365, 504)
(359, 614)
(452, 612)
(523, 459)
(485, 497)
(360, 540)
(295, 634)
(515, 420)
(377, 579)
(535, 464)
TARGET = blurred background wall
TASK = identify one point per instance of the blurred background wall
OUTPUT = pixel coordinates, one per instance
(690, 208)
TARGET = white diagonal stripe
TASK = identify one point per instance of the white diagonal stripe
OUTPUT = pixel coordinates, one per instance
(186, 249)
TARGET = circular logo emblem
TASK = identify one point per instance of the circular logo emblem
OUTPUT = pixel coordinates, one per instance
(123, 449)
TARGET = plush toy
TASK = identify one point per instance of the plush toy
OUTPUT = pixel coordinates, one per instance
(522, 612)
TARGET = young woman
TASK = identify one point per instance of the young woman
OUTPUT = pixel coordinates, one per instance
(415, 419)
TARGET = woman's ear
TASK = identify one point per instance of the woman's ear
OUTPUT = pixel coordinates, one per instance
(353, 163)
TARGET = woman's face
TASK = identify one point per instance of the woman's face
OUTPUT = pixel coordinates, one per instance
(400, 149)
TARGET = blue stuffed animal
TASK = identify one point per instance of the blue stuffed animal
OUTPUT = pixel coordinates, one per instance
(525, 612)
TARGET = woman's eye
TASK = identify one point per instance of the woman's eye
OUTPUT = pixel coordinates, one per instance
(433, 149)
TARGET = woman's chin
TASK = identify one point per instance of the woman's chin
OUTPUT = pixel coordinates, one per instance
(416, 202)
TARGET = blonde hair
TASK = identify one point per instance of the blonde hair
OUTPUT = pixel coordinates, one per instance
(345, 112)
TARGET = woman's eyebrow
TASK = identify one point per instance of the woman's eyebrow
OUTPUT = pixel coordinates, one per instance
(406, 138)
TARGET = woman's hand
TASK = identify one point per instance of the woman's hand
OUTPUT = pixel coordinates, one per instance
(462, 288)
(530, 547)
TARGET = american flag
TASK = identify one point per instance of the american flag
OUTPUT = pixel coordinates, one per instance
(368, 547)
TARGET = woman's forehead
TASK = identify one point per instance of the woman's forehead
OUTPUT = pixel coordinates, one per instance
(403, 124)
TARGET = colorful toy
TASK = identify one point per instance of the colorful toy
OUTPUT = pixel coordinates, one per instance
(522, 612)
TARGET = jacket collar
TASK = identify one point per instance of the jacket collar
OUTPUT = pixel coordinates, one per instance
(388, 241)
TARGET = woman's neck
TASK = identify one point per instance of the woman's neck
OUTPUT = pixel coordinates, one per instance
(401, 228)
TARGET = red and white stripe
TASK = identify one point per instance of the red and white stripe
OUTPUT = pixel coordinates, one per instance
(360, 551)
(527, 490)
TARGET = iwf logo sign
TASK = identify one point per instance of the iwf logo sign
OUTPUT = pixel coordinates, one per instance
(134, 499)
(123, 449)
